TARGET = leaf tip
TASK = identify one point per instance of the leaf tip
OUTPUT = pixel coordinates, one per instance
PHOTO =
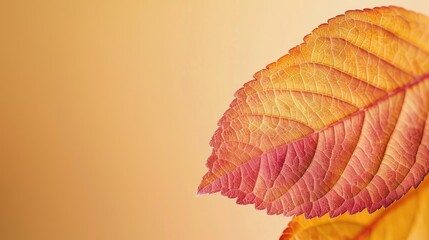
(206, 185)
(202, 190)
(199, 193)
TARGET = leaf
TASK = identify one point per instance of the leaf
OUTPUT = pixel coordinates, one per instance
(339, 124)
(405, 219)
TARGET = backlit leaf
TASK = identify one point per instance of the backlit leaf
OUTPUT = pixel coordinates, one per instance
(339, 124)
(405, 219)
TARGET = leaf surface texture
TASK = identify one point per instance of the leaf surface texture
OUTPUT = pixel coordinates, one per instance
(338, 124)
(405, 219)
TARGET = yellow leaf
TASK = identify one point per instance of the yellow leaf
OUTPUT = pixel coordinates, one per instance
(407, 218)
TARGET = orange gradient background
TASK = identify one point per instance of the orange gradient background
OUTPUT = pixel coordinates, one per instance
(107, 108)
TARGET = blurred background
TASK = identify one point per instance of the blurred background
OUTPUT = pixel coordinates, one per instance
(107, 108)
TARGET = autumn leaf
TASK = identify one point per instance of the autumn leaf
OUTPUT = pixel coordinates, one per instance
(405, 219)
(339, 124)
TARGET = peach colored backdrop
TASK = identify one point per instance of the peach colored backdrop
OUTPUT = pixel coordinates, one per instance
(107, 109)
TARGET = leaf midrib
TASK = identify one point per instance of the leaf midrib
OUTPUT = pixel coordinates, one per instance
(364, 109)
